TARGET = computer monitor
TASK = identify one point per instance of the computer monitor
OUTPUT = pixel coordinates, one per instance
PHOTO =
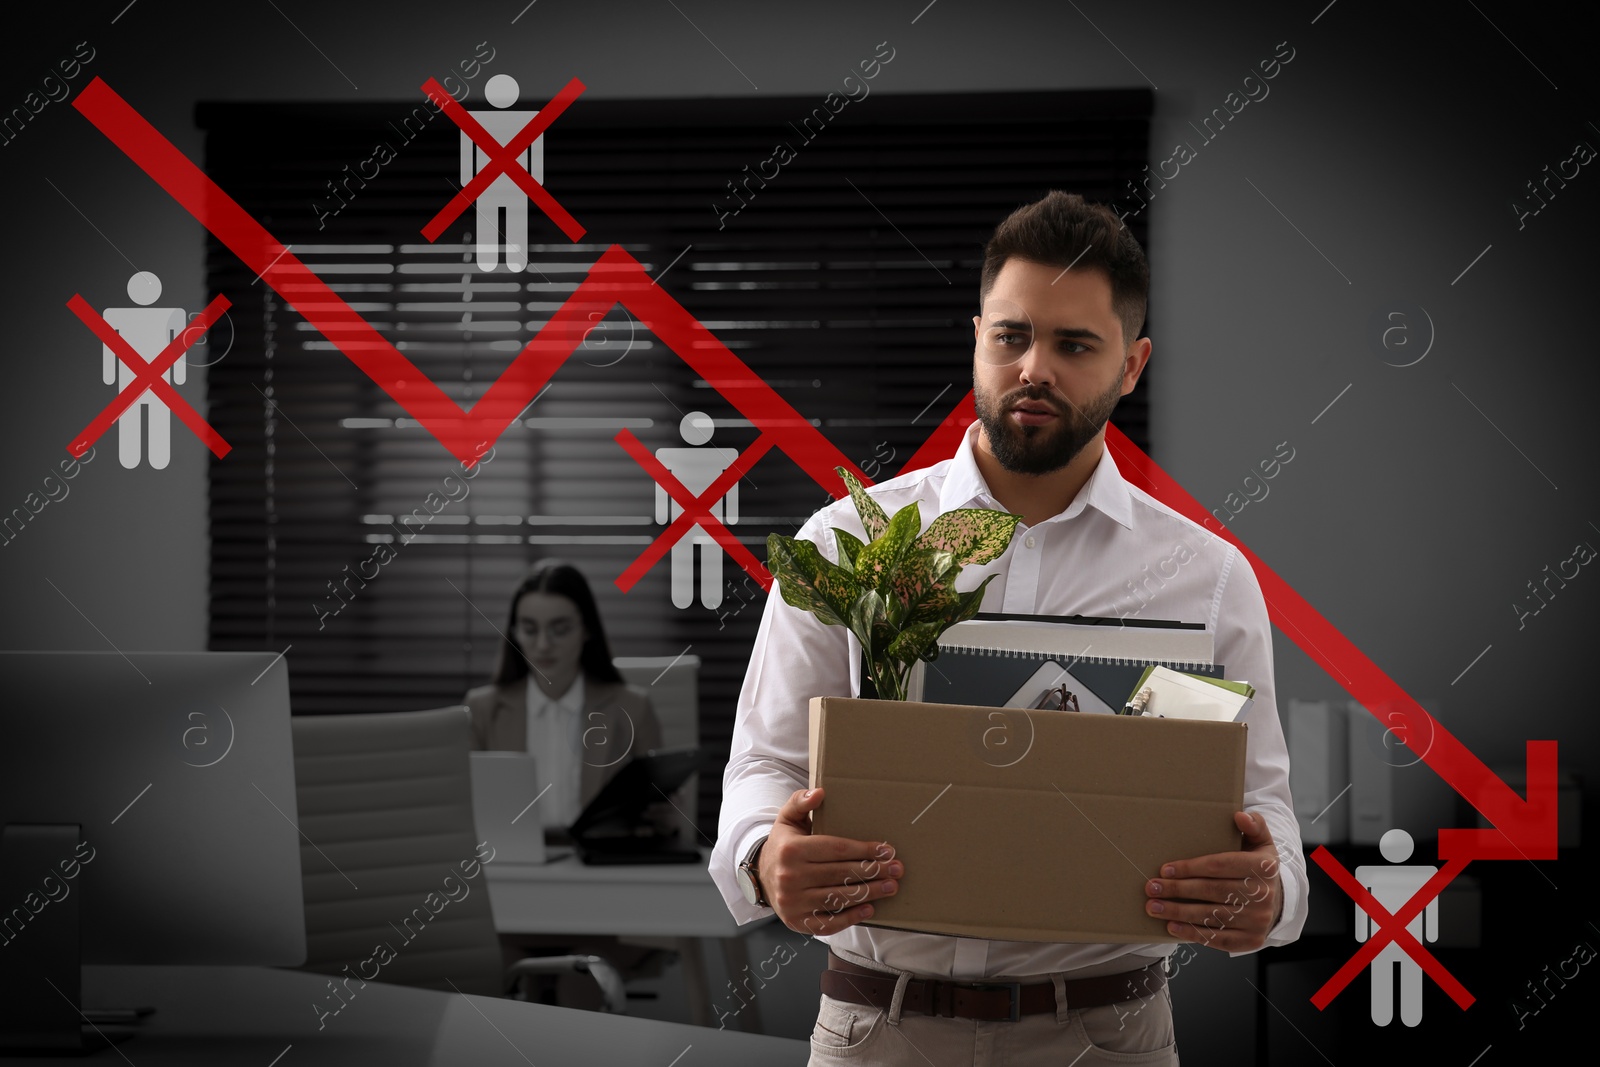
(147, 812)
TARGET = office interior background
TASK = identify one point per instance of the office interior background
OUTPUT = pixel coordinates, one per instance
(1379, 258)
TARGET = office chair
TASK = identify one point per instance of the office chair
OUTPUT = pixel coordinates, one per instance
(388, 858)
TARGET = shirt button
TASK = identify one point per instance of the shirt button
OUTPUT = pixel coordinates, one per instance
(1029, 542)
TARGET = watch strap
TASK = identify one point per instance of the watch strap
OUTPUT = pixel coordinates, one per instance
(751, 867)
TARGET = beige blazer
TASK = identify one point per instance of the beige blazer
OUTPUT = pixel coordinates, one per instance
(618, 722)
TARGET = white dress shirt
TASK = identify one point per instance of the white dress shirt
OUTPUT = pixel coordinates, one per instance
(1115, 551)
(555, 739)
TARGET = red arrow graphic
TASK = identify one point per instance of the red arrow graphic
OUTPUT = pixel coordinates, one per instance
(1523, 828)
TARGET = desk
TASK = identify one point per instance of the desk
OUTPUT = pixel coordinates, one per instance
(673, 905)
(250, 1015)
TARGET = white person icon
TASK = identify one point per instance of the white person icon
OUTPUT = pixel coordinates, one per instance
(503, 193)
(1393, 886)
(148, 330)
(697, 467)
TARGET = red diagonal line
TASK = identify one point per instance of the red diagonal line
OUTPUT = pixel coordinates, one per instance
(1390, 928)
(696, 510)
(503, 159)
(147, 376)
(1363, 679)
(1381, 695)
(791, 433)
(946, 437)
(1522, 828)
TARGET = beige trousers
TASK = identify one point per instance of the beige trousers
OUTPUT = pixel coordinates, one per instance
(1133, 1032)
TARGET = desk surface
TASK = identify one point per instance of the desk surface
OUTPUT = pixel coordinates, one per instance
(253, 1015)
(568, 897)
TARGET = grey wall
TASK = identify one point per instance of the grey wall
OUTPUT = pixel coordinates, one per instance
(1384, 160)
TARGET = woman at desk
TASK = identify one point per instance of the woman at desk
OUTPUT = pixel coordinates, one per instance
(557, 696)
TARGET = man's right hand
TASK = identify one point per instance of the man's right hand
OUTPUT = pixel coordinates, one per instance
(819, 884)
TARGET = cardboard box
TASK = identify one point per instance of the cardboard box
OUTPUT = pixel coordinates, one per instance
(1025, 826)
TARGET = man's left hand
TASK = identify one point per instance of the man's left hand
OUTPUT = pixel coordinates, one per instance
(1227, 900)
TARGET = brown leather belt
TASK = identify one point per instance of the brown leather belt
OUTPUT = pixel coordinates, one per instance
(846, 981)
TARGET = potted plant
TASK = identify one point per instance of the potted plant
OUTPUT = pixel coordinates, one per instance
(895, 592)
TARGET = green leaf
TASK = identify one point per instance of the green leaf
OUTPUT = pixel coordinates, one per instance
(806, 579)
(898, 610)
(877, 563)
(969, 604)
(971, 535)
(936, 606)
(920, 574)
(874, 519)
(896, 592)
(850, 547)
(869, 621)
(914, 642)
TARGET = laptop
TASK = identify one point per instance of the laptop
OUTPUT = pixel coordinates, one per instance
(504, 786)
(612, 828)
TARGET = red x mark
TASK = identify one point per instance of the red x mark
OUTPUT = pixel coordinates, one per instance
(1390, 928)
(148, 376)
(696, 510)
(503, 159)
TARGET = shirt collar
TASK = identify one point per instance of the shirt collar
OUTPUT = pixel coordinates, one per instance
(1106, 491)
(571, 700)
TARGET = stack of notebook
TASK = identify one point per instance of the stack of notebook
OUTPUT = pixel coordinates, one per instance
(1012, 661)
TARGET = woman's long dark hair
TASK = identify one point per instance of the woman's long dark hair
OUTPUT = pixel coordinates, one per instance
(560, 579)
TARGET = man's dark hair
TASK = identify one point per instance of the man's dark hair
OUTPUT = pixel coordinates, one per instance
(1064, 230)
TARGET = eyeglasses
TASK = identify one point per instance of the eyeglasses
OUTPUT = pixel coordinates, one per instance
(1058, 698)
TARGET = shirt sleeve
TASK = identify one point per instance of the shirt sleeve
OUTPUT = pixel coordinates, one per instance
(795, 657)
(1244, 648)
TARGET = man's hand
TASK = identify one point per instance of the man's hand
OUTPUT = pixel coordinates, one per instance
(1238, 895)
(819, 884)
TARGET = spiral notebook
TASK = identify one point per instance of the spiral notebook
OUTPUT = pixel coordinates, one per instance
(1008, 661)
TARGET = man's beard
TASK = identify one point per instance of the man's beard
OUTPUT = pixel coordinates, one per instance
(1042, 449)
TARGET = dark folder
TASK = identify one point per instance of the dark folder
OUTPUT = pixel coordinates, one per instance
(612, 829)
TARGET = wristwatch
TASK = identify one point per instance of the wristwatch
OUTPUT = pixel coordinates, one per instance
(749, 876)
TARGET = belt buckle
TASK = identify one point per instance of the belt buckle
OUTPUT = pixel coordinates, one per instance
(1014, 988)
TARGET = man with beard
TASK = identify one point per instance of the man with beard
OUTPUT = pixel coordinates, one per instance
(1057, 343)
